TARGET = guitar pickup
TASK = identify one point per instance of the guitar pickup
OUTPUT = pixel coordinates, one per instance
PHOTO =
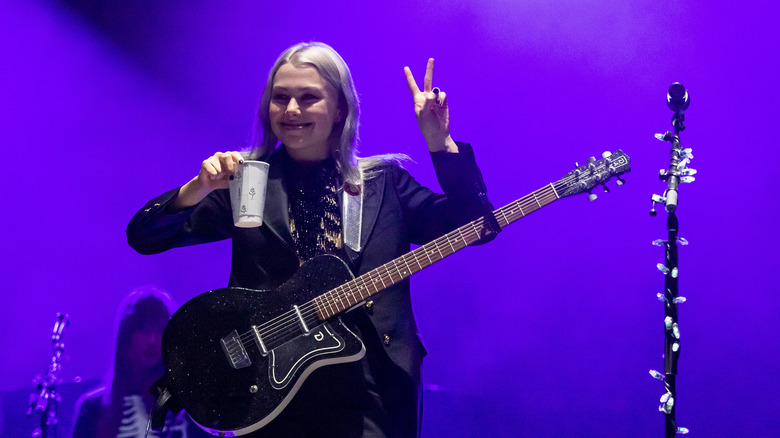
(235, 351)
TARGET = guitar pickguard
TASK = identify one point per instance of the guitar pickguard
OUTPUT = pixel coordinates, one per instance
(287, 359)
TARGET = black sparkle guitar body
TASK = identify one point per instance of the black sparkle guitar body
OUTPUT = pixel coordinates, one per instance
(233, 377)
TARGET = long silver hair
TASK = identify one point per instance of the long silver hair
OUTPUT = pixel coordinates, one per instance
(343, 140)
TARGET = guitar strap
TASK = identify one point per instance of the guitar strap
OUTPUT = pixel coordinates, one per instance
(164, 402)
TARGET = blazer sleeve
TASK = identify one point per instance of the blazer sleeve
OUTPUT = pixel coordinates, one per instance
(429, 215)
(158, 226)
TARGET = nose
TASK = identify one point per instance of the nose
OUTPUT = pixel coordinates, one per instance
(292, 107)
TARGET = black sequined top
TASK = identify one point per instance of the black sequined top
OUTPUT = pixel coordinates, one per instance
(314, 208)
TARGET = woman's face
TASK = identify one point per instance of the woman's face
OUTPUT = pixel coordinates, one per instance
(145, 349)
(303, 110)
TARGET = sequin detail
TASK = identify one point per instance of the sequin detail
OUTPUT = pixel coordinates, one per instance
(315, 217)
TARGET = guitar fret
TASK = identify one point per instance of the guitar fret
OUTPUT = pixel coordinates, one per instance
(337, 303)
(368, 282)
(451, 247)
(554, 191)
(460, 233)
(364, 287)
(408, 271)
(360, 289)
(439, 251)
(504, 215)
(345, 298)
(330, 305)
(400, 271)
(354, 291)
(397, 272)
(476, 230)
(338, 296)
(318, 307)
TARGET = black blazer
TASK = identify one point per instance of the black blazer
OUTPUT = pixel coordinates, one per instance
(397, 212)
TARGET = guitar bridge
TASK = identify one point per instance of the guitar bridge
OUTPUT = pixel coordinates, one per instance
(235, 351)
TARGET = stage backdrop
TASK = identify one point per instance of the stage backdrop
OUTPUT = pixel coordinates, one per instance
(548, 331)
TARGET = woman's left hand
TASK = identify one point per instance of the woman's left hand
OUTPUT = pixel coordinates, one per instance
(432, 111)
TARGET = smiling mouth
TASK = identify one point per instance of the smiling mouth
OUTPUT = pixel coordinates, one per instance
(295, 126)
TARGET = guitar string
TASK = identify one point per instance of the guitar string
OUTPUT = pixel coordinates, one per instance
(288, 319)
(381, 274)
(385, 272)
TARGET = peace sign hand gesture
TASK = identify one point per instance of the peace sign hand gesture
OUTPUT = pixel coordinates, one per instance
(432, 111)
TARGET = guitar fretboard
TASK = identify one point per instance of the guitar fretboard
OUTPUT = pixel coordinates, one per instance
(349, 294)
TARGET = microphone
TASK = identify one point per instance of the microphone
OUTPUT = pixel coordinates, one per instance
(677, 98)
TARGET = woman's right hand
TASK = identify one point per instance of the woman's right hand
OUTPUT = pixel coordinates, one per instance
(215, 173)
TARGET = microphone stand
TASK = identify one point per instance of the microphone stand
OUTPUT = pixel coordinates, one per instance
(678, 101)
(44, 401)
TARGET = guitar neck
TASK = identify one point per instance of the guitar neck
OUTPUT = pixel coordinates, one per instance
(353, 292)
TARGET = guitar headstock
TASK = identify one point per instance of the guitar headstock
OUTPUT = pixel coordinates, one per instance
(593, 173)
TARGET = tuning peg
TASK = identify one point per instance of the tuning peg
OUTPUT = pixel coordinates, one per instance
(591, 160)
(592, 197)
(606, 189)
(620, 181)
(606, 154)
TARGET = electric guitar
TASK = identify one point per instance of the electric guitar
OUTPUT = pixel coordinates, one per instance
(236, 357)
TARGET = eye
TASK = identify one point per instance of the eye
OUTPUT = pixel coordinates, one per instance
(308, 97)
(280, 98)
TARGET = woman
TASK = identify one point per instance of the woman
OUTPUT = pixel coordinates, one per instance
(121, 407)
(323, 199)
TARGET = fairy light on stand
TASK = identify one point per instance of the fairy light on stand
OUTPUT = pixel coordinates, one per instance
(678, 101)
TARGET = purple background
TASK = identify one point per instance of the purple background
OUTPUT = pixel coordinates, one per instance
(548, 331)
